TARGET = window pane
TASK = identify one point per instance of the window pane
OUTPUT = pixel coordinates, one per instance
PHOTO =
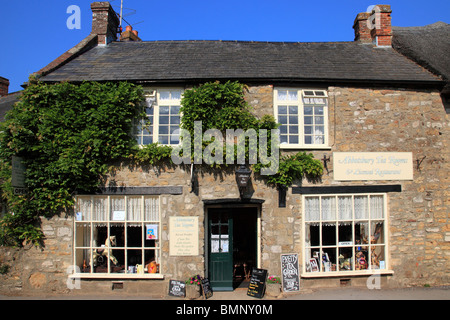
(308, 130)
(312, 208)
(308, 110)
(361, 234)
(377, 258)
(283, 138)
(147, 140)
(318, 120)
(293, 139)
(174, 110)
(308, 140)
(318, 110)
(376, 207)
(329, 234)
(164, 110)
(282, 94)
(163, 120)
(293, 110)
(308, 120)
(293, 120)
(361, 207)
(282, 119)
(293, 129)
(328, 208)
(282, 109)
(345, 259)
(163, 139)
(283, 129)
(292, 95)
(176, 94)
(164, 95)
(345, 208)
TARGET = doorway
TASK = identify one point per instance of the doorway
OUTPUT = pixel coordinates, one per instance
(232, 241)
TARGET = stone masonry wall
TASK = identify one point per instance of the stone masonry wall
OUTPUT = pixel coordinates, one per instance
(360, 120)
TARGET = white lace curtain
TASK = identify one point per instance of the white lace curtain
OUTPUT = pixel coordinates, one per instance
(96, 208)
(314, 206)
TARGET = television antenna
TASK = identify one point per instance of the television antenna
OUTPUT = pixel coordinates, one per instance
(122, 15)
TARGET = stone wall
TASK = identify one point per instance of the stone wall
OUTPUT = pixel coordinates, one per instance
(361, 120)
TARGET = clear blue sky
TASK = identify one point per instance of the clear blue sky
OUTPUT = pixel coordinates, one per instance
(34, 32)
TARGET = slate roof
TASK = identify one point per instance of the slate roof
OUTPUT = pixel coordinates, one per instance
(7, 102)
(238, 60)
(429, 46)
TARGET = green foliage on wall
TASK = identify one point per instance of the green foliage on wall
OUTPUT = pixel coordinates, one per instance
(68, 135)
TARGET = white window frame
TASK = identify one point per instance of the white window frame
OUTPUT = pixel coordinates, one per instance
(299, 102)
(85, 223)
(308, 250)
(155, 98)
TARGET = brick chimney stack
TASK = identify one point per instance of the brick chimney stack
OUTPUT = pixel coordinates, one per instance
(4, 86)
(375, 26)
(104, 22)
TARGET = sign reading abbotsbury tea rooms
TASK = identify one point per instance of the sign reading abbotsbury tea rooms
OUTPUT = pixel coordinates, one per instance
(183, 236)
(372, 166)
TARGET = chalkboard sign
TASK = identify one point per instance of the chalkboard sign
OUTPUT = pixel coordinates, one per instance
(177, 288)
(257, 285)
(206, 288)
(290, 272)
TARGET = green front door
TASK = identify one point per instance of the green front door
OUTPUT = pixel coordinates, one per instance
(220, 230)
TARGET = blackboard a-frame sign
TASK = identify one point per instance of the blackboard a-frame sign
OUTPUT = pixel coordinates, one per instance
(177, 288)
(206, 288)
(290, 272)
(257, 285)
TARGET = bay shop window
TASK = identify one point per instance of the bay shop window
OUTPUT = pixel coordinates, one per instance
(344, 233)
(117, 236)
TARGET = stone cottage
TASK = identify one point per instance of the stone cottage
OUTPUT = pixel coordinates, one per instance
(375, 117)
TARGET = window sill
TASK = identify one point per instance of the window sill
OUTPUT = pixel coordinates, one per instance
(116, 276)
(346, 273)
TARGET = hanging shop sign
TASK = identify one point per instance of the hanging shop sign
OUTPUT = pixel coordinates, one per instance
(183, 233)
(350, 166)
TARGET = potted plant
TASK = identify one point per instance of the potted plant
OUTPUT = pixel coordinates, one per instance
(193, 285)
(273, 286)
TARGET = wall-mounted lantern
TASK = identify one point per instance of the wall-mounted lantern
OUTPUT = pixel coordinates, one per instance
(242, 178)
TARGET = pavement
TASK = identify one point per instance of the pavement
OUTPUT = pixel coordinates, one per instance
(345, 293)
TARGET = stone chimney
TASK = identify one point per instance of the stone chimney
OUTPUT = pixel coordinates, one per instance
(4, 86)
(374, 26)
(104, 22)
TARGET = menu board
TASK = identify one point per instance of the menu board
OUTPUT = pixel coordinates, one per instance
(206, 287)
(183, 236)
(290, 272)
(177, 288)
(257, 284)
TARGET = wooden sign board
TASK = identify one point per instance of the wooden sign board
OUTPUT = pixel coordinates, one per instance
(257, 285)
(206, 288)
(177, 288)
(290, 272)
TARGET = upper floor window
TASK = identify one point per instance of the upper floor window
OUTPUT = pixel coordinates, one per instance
(303, 115)
(163, 113)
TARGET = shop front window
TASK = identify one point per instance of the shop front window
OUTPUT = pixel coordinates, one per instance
(344, 233)
(117, 235)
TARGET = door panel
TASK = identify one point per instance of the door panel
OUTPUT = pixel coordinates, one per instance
(220, 227)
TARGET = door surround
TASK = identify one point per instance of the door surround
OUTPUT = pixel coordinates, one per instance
(230, 204)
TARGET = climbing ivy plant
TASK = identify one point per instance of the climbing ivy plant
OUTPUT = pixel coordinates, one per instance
(69, 136)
